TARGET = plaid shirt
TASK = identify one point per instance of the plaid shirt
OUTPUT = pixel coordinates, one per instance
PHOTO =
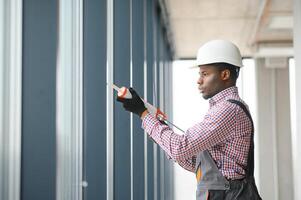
(225, 132)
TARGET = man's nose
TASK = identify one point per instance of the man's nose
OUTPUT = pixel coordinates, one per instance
(200, 81)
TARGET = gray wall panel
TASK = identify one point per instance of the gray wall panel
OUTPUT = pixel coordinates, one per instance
(138, 84)
(94, 98)
(39, 96)
(122, 157)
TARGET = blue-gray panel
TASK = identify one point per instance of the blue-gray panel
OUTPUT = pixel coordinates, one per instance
(167, 178)
(150, 83)
(138, 84)
(95, 13)
(122, 157)
(38, 100)
(162, 61)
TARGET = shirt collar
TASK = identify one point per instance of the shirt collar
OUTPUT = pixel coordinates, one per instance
(223, 94)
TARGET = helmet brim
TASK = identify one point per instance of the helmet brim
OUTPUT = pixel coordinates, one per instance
(197, 65)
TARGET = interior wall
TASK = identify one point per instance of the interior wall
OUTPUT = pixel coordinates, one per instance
(296, 139)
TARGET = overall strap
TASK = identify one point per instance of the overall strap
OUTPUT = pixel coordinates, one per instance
(250, 164)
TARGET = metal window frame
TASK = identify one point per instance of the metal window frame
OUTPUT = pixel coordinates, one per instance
(131, 114)
(69, 124)
(155, 100)
(11, 103)
(110, 100)
(162, 99)
(145, 95)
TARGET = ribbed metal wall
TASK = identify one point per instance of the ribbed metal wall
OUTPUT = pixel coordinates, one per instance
(140, 52)
(77, 141)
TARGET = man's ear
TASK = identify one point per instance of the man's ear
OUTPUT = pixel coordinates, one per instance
(225, 74)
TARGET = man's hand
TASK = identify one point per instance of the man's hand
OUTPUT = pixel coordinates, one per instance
(134, 105)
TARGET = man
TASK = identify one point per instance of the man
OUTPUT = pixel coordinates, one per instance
(220, 148)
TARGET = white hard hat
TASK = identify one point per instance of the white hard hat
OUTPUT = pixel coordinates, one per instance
(219, 51)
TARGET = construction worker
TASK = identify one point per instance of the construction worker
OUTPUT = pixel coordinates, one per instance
(220, 148)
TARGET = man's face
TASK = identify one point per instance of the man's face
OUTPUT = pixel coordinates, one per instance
(210, 81)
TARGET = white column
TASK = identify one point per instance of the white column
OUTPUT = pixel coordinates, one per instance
(283, 133)
(110, 100)
(273, 132)
(10, 98)
(265, 133)
(69, 102)
(296, 101)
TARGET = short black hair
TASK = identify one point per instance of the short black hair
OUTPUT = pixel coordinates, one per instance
(234, 70)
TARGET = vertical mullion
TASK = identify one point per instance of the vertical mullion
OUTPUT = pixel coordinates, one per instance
(158, 81)
(161, 103)
(131, 115)
(70, 101)
(110, 101)
(155, 93)
(145, 84)
(10, 103)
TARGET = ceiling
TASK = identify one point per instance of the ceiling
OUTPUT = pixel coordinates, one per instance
(247, 23)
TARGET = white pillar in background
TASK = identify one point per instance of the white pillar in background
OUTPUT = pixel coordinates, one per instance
(296, 137)
(274, 132)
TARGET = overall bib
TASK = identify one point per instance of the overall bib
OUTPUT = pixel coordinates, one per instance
(212, 185)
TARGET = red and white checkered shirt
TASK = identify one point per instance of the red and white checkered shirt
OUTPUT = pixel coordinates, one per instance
(225, 132)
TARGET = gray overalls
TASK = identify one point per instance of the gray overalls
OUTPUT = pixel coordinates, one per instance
(213, 185)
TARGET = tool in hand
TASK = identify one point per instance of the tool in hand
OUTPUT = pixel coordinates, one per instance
(124, 92)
